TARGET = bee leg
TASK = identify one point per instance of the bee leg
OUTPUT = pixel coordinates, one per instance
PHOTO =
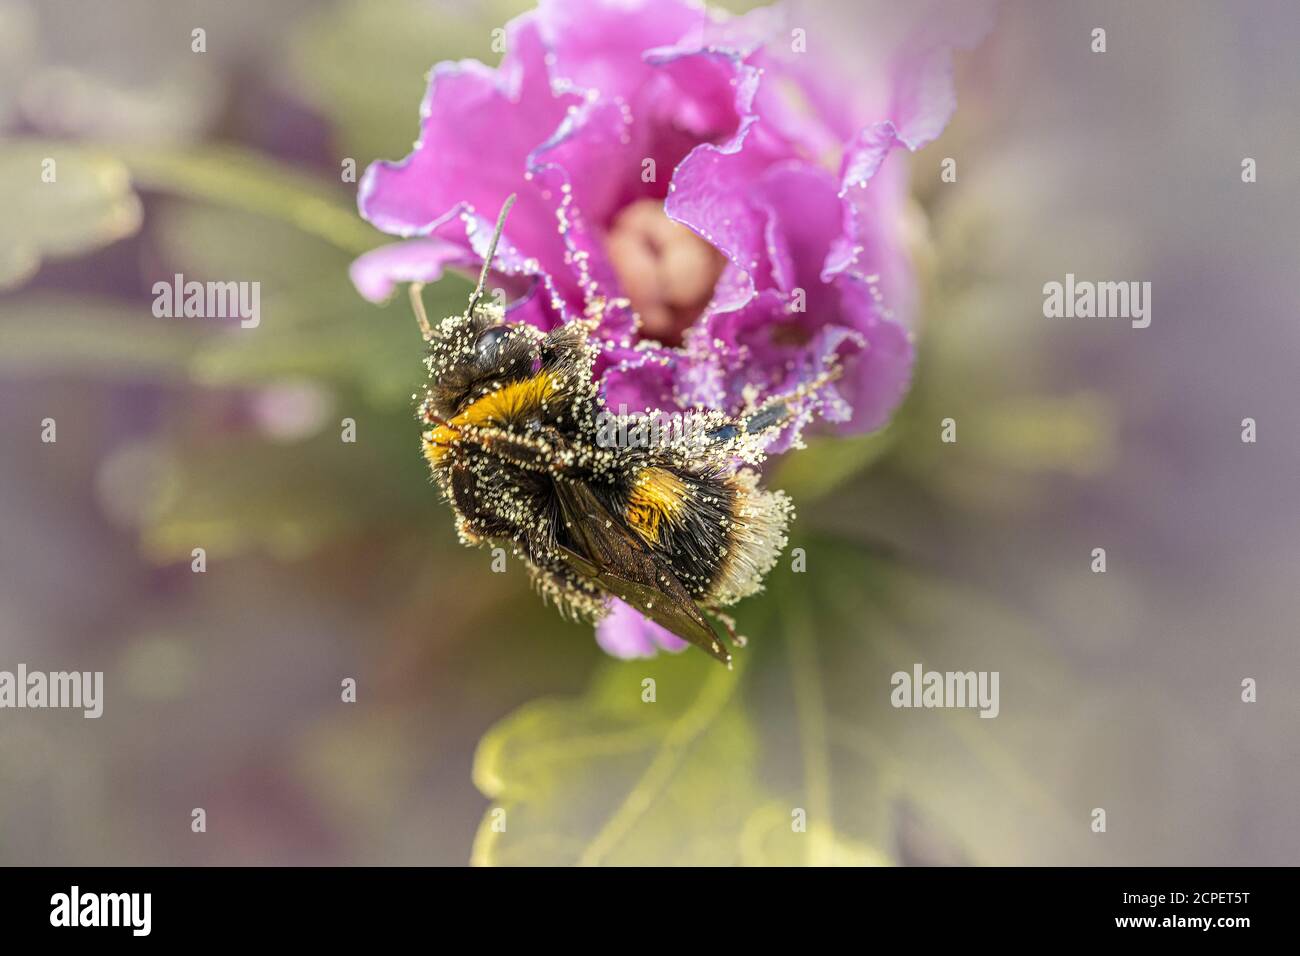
(473, 522)
(729, 623)
(433, 419)
(773, 415)
(778, 412)
(523, 452)
(417, 306)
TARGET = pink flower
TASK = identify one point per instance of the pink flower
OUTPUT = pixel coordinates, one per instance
(623, 632)
(728, 185)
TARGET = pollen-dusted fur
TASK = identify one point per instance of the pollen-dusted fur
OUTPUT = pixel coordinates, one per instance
(657, 496)
(514, 433)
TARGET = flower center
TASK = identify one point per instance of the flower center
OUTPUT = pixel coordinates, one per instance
(667, 271)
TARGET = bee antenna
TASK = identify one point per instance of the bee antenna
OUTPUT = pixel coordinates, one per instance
(492, 251)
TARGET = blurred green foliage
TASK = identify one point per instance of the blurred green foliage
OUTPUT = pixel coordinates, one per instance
(794, 758)
(59, 205)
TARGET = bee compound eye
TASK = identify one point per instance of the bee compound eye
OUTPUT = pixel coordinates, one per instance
(489, 342)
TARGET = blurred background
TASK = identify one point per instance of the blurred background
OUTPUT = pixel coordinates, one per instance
(329, 560)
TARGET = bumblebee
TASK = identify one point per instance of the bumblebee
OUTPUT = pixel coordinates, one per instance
(517, 438)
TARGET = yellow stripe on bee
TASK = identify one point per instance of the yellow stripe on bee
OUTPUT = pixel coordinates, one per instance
(507, 404)
(657, 496)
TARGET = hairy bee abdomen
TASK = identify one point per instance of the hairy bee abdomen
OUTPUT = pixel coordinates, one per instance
(719, 531)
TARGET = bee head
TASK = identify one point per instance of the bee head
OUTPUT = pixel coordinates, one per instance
(474, 355)
(477, 351)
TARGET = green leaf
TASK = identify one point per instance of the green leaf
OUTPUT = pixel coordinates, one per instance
(313, 323)
(87, 203)
(242, 179)
(798, 756)
(611, 779)
(99, 195)
(770, 840)
(859, 620)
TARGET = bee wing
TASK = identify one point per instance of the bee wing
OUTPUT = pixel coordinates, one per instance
(681, 616)
(621, 564)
